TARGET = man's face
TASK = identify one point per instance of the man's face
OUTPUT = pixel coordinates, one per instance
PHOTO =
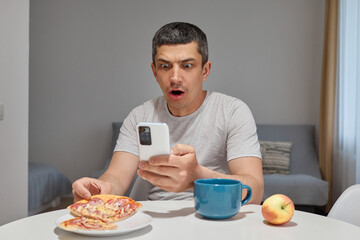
(179, 73)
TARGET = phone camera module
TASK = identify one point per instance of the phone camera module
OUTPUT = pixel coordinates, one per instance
(145, 135)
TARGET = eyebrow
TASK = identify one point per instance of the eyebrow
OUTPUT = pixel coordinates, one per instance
(184, 60)
(188, 60)
(163, 60)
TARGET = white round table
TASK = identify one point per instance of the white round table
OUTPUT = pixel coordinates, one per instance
(178, 220)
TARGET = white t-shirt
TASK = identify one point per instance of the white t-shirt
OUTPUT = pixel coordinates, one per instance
(222, 129)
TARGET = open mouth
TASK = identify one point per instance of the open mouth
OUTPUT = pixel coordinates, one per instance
(177, 92)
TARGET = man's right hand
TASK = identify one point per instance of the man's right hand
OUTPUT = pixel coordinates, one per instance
(85, 187)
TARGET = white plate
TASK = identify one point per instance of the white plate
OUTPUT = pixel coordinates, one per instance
(135, 222)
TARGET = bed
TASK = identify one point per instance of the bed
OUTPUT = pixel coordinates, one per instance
(46, 185)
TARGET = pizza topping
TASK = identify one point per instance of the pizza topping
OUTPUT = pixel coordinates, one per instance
(82, 223)
(102, 210)
(107, 208)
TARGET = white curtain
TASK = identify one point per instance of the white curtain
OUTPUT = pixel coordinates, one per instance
(346, 161)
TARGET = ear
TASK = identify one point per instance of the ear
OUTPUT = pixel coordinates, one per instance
(206, 70)
(153, 68)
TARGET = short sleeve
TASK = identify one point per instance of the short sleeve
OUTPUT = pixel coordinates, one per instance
(242, 140)
(127, 141)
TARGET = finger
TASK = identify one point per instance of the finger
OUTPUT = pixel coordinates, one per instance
(182, 149)
(156, 179)
(80, 190)
(163, 170)
(94, 188)
(76, 196)
(164, 182)
(159, 160)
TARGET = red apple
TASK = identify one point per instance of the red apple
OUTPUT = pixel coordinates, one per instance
(278, 209)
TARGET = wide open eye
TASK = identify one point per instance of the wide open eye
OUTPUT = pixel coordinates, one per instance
(164, 65)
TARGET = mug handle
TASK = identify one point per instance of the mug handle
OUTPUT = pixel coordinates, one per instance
(248, 194)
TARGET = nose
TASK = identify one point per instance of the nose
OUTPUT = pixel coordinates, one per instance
(175, 75)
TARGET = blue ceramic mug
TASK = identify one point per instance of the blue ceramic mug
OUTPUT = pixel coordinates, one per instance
(219, 198)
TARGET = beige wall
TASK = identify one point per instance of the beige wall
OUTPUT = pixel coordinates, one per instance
(14, 87)
(90, 65)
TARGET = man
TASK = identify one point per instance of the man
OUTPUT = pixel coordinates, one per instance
(213, 135)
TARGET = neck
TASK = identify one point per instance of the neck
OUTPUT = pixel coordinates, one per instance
(183, 111)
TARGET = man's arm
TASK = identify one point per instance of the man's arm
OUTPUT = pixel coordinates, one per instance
(121, 171)
(177, 172)
(115, 180)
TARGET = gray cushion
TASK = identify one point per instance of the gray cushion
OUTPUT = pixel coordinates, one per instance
(275, 157)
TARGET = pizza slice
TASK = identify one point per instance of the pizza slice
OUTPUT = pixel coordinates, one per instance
(82, 223)
(107, 208)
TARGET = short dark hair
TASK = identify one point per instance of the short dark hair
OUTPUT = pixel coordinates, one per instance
(180, 33)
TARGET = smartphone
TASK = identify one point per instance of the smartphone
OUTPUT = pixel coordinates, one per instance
(153, 139)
